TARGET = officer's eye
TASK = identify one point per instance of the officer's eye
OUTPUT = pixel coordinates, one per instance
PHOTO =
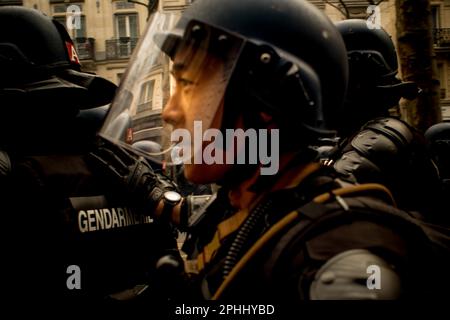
(184, 82)
(181, 80)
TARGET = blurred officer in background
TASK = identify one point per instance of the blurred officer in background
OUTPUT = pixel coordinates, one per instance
(374, 86)
(376, 147)
(438, 143)
(438, 139)
(69, 233)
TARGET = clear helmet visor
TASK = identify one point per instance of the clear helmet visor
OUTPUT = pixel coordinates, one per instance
(182, 74)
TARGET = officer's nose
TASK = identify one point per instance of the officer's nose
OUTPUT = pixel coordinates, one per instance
(173, 112)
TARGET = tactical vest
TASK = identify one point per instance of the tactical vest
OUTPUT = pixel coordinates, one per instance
(276, 259)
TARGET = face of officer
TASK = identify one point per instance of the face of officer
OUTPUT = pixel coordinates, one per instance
(198, 97)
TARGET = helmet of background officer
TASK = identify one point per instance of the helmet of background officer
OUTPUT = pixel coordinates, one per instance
(373, 86)
(438, 138)
(41, 82)
(235, 65)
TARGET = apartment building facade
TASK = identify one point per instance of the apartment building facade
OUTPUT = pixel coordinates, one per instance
(109, 30)
(441, 31)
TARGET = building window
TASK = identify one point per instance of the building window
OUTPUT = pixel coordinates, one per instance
(146, 96)
(74, 33)
(357, 12)
(436, 16)
(127, 34)
(60, 15)
(120, 5)
(127, 25)
(119, 77)
(442, 80)
(62, 7)
(11, 3)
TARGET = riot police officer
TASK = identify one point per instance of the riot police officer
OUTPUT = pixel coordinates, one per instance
(70, 235)
(374, 86)
(285, 234)
(438, 137)
(376, 147)
(438, 143)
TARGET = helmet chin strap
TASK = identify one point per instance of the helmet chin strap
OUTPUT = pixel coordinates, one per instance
(232, 118)
(242, 172)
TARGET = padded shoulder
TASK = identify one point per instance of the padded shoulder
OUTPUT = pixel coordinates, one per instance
(356, 275)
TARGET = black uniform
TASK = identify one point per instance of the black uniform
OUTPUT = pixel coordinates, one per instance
(322, 238)
(292, 238)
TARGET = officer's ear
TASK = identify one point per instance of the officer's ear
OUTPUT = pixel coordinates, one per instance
(265, 117)
(268, 120)
(256, 119)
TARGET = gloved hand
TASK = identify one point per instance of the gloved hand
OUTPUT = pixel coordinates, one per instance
(143, 186)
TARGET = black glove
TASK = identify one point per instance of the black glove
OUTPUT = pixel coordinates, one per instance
(144, 187)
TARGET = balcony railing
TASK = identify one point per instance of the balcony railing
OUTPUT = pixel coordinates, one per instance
(120, 48)
(441, 37)
(85, 48)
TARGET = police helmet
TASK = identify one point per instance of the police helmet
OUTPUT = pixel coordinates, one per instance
(39, 65)
(300, 83)
(373, 84)
(438, 139)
